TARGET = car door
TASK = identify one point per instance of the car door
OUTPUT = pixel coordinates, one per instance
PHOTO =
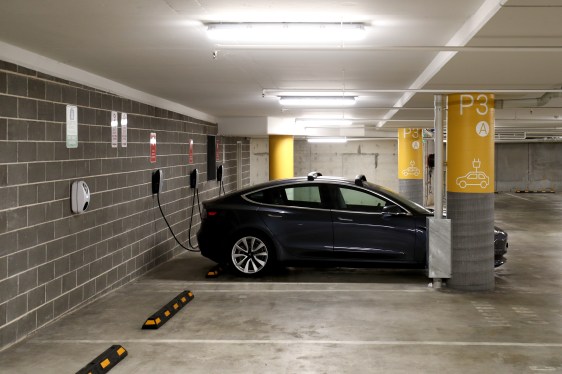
(299, 220)
(372, 227)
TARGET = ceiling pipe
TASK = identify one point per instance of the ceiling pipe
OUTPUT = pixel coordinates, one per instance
(524, 103)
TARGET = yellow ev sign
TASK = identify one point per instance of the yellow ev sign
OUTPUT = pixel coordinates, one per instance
(470, 143)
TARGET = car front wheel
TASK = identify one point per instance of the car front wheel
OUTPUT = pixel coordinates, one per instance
(251, 255)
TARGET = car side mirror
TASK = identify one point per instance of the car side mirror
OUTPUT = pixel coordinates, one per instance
(390, 210)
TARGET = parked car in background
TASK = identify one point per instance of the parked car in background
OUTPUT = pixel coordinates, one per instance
(317, 220)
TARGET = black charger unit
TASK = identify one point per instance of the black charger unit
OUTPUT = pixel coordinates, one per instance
(219, 173)
(157, 181)
(194, 178)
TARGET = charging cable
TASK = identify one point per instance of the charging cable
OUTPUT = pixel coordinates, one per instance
(156, 187)
(221, 188)
(193, 249)
(195, 193)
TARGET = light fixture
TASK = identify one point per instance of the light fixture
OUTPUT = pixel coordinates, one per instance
(319, 122)
(285, 32)
(342, 139)
(317, 100)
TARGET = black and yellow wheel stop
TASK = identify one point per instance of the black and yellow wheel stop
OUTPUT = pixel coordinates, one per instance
(214, 272)
(535, 191)
(168, 311)
(106, 361)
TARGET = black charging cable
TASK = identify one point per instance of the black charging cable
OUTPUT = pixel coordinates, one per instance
(195, 193)
(192, 249)
(221, 188)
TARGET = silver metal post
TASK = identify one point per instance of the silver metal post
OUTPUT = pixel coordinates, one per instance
(438, 171)
(439, 157)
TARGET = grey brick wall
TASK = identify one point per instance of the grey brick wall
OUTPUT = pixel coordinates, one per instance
(52, 261)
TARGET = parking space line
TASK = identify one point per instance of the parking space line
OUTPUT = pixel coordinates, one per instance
(299, 291)
(234, 283)
(519, 197)
(309, 342)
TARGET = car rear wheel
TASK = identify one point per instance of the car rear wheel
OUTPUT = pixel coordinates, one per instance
(251, 255)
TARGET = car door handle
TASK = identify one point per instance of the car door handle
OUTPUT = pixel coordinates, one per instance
(274, 215)
(345, 219)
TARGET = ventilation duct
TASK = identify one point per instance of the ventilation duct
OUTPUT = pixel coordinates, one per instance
(526, 103)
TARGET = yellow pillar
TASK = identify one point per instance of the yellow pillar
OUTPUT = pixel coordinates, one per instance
(281, 157)
(410, 164)
(470, 143)
(470, 190)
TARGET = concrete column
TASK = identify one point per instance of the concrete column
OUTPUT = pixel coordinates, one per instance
(410, 164)
(281, 157)
(470, 190)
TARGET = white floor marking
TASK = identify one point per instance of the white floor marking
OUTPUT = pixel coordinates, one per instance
(519, 197)
(301, 291)
(306, 342)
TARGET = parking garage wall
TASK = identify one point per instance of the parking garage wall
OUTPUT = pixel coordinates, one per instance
(259, 160)
(376, 159)
(528, 167)
(52, 261)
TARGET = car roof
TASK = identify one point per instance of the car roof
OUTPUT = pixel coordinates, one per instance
(304, 179)
(360, 181)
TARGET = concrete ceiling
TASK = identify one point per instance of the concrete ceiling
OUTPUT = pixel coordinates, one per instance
(160, 47)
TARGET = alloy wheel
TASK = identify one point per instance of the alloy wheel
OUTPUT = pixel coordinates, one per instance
(249, 255)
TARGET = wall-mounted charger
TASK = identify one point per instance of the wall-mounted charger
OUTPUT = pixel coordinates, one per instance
(157, 181)
(79, 197)
(194, 178)
(219, 173)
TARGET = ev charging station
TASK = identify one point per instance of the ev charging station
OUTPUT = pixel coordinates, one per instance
(157, 187)
(213, 172)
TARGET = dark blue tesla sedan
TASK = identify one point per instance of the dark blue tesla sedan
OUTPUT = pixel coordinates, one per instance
(317, 220)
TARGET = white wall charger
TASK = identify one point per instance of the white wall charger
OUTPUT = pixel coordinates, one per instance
(79, 197)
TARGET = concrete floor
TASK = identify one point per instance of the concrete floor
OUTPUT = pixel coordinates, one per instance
(329, 320)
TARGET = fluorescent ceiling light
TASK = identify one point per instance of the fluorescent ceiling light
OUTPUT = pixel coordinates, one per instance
(323, 122)
(328, 140)
(317, 100)
(285, 32)
(270, 92)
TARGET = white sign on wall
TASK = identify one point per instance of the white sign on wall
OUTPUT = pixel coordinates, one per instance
(71, 126)
(124, 130)
(114, 129)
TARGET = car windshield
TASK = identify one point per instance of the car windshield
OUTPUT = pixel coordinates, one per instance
(398, 198)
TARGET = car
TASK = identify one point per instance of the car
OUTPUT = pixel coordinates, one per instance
(317, 220)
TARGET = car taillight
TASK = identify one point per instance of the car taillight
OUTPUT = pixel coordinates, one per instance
(208, 213)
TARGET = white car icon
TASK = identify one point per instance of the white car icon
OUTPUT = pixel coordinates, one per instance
(412, 170)
(473, 178)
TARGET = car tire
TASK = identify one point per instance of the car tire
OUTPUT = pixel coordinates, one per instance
(462, 184)
(483, 184)
(251, 254)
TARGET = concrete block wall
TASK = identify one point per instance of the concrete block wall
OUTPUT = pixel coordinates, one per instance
(52, 261)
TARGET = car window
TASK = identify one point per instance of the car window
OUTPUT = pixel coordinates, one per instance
(300, 196)
(275, 196)
(360, 201)
(303, 196)
(401, 200)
